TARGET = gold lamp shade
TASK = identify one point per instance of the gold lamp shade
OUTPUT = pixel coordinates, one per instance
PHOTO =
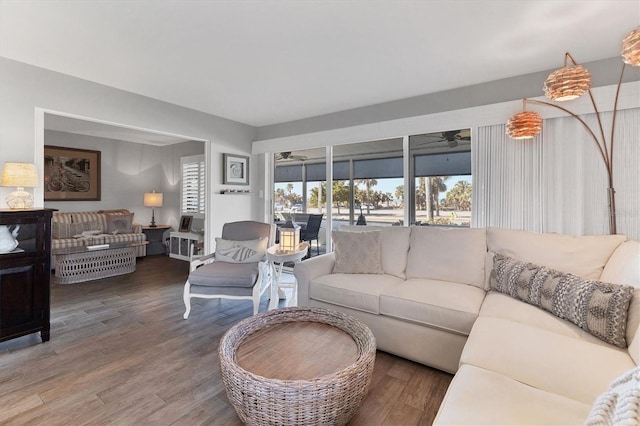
(567, 83)
(631, 48)
(524, 125)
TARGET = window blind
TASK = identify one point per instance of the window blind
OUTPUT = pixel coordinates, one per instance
(192, 197)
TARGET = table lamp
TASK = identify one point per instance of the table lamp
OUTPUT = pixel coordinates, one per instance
(153, 200)
(289, 237)
(20, 175)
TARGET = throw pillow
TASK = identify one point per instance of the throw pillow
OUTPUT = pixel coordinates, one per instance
(598, 308)
(357, 252)
(620, 405)
(249, 251)
(119, 223)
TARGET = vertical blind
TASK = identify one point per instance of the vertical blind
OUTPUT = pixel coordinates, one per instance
(192, 197)
(557, 182)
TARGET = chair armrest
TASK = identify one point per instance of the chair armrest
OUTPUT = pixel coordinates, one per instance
(309, 270)
(202, 260)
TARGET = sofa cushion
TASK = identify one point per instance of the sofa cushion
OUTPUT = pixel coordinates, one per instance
(619, 405)
(71, 230)
(623, 267)
(247, 251)
(357, 253)
(499, 305)
(597, 307)
(394, 246)
(544, 359)
(584, 256)
(447, 254)
(439, 304)
(356, 291)
(481, 397)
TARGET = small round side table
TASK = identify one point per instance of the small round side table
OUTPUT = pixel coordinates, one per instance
(277, 260)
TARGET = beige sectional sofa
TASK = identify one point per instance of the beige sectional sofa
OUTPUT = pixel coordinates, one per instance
(77, 229)
(514, 363)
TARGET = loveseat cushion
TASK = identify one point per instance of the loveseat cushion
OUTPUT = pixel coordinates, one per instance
(481, 397)
(549, 361)
(439, 304)
(584, 256)
(355, 291)
(448, 254)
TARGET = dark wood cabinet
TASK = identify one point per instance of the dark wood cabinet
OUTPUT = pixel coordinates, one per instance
(25, 275)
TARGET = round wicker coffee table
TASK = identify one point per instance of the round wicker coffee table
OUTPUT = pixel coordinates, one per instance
(331, 398)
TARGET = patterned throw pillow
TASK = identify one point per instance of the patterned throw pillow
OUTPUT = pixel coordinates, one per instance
(357, 252)
(119, 223)
(598, 308)
(620, 405)
(249, 251)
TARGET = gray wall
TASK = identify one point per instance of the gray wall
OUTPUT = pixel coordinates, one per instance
(23, 88)
(604, 72)
(128, 170)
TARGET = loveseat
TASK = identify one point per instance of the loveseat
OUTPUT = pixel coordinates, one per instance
(436, 298)
(77, 229)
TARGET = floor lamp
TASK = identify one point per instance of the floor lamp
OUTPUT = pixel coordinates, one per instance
(571, 82)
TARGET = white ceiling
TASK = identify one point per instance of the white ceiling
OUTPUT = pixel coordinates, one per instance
(272, 61)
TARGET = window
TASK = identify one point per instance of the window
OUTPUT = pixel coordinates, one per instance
(192, 196)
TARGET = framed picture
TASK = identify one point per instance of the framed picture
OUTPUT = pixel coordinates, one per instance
(235, 169)
(71, 174)
(185, 223)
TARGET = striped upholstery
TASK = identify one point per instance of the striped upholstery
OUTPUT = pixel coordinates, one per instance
(78, 217)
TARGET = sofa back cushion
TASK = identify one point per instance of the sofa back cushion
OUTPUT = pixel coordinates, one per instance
(584, 256)
(448, 254)
(623, 267)
(394, 246)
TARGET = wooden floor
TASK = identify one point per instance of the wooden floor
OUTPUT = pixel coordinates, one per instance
(120, 353)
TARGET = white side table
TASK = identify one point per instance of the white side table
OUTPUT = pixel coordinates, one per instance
(277, 260)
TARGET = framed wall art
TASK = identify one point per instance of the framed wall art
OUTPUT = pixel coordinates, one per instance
(185, 223)
(235, 169)
(71, 174)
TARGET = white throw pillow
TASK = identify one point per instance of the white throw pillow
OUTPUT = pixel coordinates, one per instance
(249, 251)
(357, 252)
(620, 404)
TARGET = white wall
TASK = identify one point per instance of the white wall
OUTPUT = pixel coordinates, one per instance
(25, 88)
(128, 170)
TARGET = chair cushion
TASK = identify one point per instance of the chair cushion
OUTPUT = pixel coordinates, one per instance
(438, 304)
(247, 251)
(224, 274)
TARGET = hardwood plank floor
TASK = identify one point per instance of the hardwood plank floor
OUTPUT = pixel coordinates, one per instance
(120, 353)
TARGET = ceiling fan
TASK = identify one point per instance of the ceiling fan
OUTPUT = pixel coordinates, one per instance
(287, 155)
(452, 137)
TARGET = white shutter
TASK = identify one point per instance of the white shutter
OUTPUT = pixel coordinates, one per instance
(192, 196)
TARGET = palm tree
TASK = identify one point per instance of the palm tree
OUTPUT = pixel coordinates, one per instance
(437, 186)
(368, 183)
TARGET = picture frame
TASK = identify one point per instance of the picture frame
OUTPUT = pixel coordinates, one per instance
(235, 169)
(71, 174)
(185, 223)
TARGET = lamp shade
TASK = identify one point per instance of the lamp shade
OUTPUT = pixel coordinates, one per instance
(19, 175)
(524, 125)
(289, 238)
(567, 83)
(153, 199)
(631, 48)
